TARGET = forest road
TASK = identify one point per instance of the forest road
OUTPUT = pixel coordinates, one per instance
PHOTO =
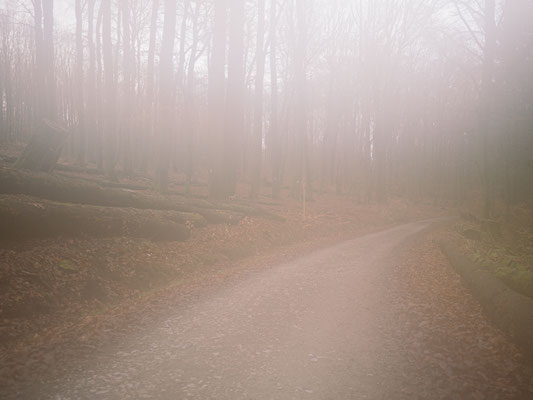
(320, 327)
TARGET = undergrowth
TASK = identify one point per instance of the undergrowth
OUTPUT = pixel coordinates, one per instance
(508, 254)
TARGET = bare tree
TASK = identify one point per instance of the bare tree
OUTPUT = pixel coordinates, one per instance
(80, 100)
(234, 113)
(166, 80)
(189, 106)
(274, 125)
(300, 112)
(109, 92)
(216, 97)
(127, 90)
(91, 121)
(487, 97)
(48, 58)
(258, 105)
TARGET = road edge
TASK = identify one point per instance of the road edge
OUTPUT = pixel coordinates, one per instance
(510, 311)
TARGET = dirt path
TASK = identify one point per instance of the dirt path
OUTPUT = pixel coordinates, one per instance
(331, 325)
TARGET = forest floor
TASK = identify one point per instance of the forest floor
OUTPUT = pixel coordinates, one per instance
(60, 296)
(380, 316)
(65, 298)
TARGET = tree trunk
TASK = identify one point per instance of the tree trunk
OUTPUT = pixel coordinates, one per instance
(165, 94)
(179, 144)
(217, 183)
(44, 61)
(40, 87)
(127, 92)
(108, 93)
(274, 124)
(258, 105)
(189, 120)
(100, 95)
(486, 99)
(80, 105)
(299, 178)
(234, 124)
(91, 123)
(149, 102)
(183, 41)
(48, 59)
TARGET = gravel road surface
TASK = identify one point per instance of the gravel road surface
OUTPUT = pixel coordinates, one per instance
(326, 326)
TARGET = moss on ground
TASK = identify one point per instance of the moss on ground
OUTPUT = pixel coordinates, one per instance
(507, 251)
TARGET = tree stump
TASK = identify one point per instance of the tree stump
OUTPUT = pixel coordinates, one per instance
(44, 148)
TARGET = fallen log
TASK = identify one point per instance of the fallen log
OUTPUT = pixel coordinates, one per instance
(101, 182)
(7, 159)
(71, 190)
(79, 170)
(24, 217)
(248, 210)
(219, 217)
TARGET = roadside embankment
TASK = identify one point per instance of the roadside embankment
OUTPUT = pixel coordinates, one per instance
(512, 312)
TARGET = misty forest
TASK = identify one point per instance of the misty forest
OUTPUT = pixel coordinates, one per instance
(236, 199)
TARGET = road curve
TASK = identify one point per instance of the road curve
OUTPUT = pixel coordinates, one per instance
(320, 327)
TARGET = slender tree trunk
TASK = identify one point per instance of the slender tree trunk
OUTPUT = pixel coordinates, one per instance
(183, 41)
(258, 106)
(180, 90)
(189, 124)
(48, 59)
(165, 94)
(100, 96)
(486, 99)
(217, 184)
(234, 124)
(127, 92)
(4, 75)
(80, 105)
(8, 67)
(149, 124)
(40, 77)
(91, 121)
(274, 124)
(300, 178)
(108, 92)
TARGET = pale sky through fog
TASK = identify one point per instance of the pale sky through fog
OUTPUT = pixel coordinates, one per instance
(64, 12)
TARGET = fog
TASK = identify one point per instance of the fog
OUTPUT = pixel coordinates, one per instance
(375, 97)
(187, 189)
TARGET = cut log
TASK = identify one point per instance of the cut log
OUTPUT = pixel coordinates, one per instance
(79, 170)
(102, 182)
(44, 148)
(250, 210)
(7, 159)
(219, 217)
(24, 217)
(72, 190)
